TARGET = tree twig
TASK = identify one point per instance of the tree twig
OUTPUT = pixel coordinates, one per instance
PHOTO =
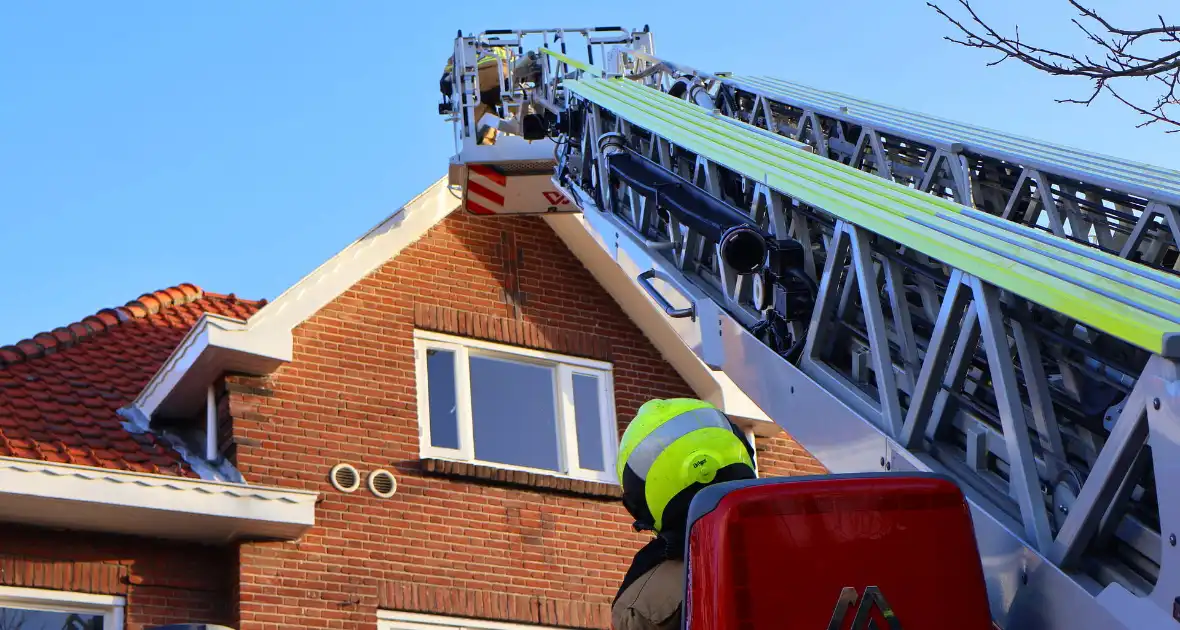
(1120, 58)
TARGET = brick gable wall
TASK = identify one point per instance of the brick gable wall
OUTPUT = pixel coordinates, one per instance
(454, 540)
(162, 582)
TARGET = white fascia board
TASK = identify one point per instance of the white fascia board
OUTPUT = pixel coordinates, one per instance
(710, 385)
(364, 256)
(219, 344)
(73, 497)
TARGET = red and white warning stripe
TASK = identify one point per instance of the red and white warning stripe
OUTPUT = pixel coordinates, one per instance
(485, 190)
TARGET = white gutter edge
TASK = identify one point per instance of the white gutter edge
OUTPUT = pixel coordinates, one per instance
(85, 497)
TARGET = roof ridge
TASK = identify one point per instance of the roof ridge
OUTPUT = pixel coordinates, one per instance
(232, 297)
(145, 305)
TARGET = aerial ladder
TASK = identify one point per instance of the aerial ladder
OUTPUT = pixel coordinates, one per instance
(945, 316)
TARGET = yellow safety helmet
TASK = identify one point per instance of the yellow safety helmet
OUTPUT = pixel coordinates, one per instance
(672, 449)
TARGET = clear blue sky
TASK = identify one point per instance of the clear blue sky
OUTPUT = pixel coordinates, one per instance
(236, 145)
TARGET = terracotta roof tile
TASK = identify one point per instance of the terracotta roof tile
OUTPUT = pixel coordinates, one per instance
(60, 390)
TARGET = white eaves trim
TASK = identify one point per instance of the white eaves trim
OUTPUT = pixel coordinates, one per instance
(710, 385)
(362, 257)
(217, 344)
(159, 506)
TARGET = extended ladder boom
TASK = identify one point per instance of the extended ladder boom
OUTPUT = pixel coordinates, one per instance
(1123, 207)
(871, 288)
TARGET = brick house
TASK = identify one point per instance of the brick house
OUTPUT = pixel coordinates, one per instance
(355, 453)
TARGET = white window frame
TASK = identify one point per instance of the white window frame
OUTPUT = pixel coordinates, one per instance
(567, 429)
(398, 620)
(111, 607)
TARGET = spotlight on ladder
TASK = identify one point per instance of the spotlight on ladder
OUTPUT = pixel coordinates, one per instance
(533, 127)
(611, 144)
(743, 249)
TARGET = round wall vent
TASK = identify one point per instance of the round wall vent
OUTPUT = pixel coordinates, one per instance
(382, 483)
(345, 478)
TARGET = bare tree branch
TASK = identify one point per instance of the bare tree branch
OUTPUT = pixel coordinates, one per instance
(1120, 59)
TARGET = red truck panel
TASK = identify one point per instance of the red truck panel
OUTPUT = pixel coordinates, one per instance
(835, 552)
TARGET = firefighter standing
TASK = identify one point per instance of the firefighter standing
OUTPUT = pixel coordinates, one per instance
(489, 67)
(670, 451)
(497, 61)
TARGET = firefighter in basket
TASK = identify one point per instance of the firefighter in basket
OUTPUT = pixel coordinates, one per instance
(670, 451)
(493, 63)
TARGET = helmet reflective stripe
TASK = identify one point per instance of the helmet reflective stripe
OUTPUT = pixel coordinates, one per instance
(646, 452)
(650, 416)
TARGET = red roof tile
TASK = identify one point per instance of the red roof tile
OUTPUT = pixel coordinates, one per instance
(60, 390)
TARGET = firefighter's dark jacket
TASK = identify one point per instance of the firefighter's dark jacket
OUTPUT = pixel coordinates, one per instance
(652, 602)
(651, 596)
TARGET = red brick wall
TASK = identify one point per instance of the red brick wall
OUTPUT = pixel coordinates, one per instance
(441, 544)
(162, 582)
(780, 456)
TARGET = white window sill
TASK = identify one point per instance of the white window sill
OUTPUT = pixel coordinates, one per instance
(541, 480)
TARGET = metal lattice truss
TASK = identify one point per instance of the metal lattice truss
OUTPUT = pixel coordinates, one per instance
(1038, 372)
(1125, 208)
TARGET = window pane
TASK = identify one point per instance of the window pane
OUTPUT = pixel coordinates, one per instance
(23, 619)
(444, 417)
(512, 408)
(588, 417)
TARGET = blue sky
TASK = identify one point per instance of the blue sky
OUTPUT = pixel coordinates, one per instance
(236, 145)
